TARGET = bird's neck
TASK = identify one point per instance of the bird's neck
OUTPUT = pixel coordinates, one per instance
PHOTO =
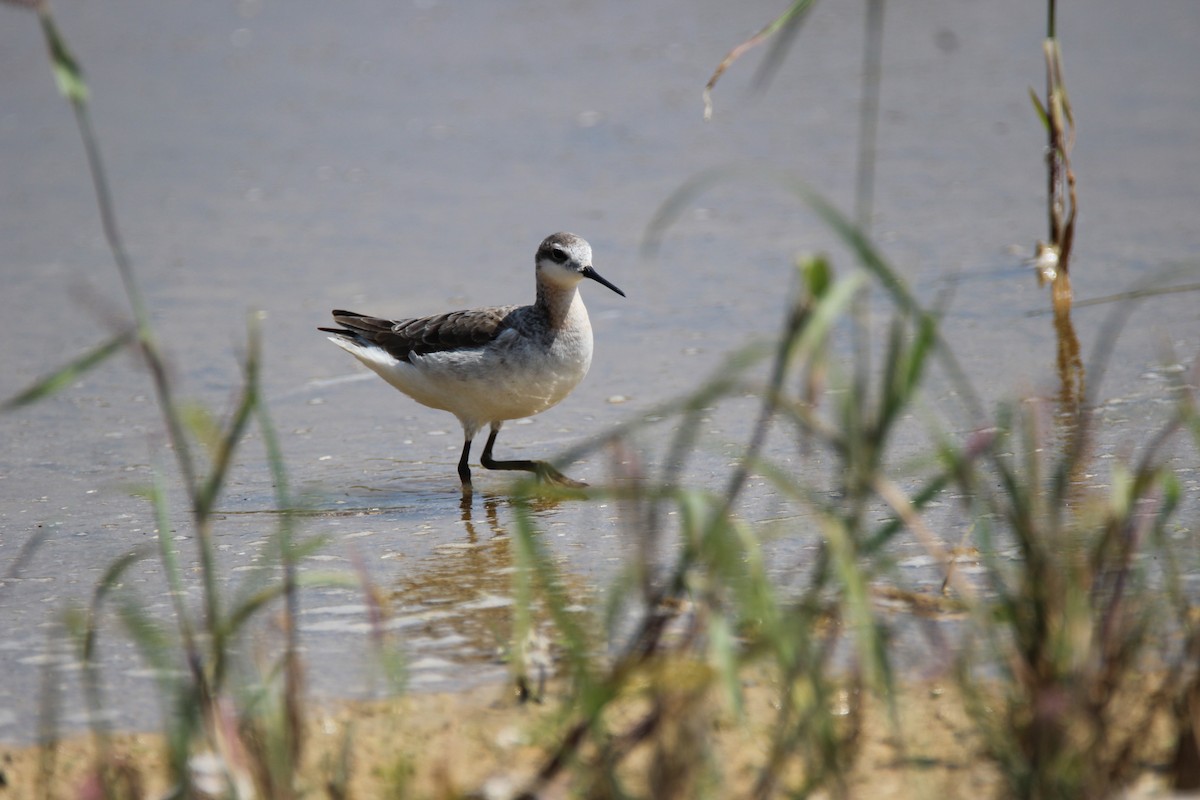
(559, 303)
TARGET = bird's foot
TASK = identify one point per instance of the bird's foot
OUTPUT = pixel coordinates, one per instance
(553, 477)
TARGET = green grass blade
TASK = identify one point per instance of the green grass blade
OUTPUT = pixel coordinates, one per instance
(170, 560)
(788, 22)
(247, 607)
(850, 234)
(211, 489)
(1039, 108)
(109, 581)
(70, 373)
(782, 31)
(28, 548)
(68, 75)
(530, 555)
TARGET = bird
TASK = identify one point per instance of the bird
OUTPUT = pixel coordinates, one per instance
(490, 365)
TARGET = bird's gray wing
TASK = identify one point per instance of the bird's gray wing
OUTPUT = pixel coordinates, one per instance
(406, 337)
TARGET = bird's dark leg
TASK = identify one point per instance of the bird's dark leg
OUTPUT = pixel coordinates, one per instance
(540, 468)
(464, 470)
(490, 463)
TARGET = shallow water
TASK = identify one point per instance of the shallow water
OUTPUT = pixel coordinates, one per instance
(402, 160)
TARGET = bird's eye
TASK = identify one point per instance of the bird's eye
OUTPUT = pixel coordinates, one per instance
(558, 255)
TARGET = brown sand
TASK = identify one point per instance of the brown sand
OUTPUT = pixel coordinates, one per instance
(483, 741)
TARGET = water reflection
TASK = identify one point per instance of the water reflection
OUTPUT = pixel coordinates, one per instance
(469, 583)
(461, 595)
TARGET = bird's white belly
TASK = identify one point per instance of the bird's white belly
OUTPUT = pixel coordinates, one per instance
(506, 379)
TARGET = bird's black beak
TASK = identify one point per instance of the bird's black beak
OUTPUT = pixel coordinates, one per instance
(588, 272)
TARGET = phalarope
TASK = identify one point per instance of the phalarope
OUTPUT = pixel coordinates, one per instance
(489, 365)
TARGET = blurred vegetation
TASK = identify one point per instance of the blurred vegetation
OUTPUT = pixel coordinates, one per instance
(226, 735)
